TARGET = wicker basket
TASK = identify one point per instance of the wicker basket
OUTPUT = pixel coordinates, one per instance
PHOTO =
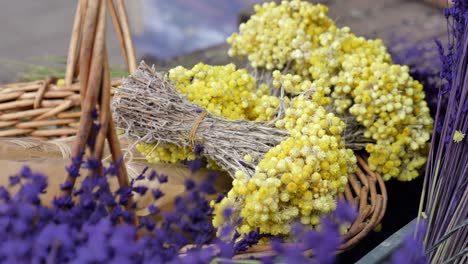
(43, 110)
(40, 110)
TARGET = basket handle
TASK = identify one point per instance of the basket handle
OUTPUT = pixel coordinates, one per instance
(89, 40)
(119, 19)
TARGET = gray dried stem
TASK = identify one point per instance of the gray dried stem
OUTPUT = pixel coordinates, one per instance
(148, 107)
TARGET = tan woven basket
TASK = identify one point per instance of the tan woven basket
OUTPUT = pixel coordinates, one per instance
(40, 110)
(44, 110)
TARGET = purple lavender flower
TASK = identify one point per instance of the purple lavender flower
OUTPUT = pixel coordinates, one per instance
(14, 180)
(63, 201)
(4, 194)
(219, 198)
(124, 193)
(206, 186)
(153, 209)
(112, 169)
(74, 169)
(345, 212)
(162, 178)
(141, 190)
(157, 194)
(189, 184)
(26, 172)
(92, 164)
(67, 185)
(198, 150)
(195, 165)
(147, 223)
(248, 240)
(412, 249)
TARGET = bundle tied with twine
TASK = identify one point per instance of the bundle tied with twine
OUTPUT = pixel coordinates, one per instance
(149, 108)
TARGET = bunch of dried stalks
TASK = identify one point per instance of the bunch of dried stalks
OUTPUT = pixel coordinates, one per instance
(149, 108)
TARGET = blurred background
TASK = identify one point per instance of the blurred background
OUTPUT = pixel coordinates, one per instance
(38, 32)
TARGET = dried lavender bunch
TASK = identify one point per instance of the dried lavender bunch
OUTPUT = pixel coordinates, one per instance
(444, 201)
(149, 108)
(95, 224)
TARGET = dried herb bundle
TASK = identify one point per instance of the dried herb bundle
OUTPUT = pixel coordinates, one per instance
(149, 108)
(444, 201)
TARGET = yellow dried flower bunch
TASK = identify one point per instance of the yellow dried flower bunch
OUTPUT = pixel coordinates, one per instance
(296, 180)
(275, 31)
(222, 90)
(225, 91)
(295, 84)
(391, 107)
(353, 75)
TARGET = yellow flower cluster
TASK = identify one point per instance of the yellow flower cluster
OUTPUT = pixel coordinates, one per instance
(339, 49)
(221, 90)
(391, 106)
(295, 84)
(296, 180)
(169, 153)
(354, 75)
(396, 159)
(276, 32)
(225, 91)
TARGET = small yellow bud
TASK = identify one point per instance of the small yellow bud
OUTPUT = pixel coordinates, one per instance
(61, 82)
(458, 136)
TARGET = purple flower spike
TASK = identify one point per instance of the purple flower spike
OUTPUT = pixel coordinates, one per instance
(227, 213)
(15, 180)
(67, 185)
(26, 172)
(112, 169)
(140, 190)
(198, 149)
(195, 165)
(93, 164)
(63, 201)
(74, 169)
(162, 178)
(94, 114)
(153, 209)
(248, 240)
(4, 194)
(345, 212)
(157, 194)
(412, 249)
(189, 184)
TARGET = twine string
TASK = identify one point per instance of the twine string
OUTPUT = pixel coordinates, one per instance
(196, 125)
